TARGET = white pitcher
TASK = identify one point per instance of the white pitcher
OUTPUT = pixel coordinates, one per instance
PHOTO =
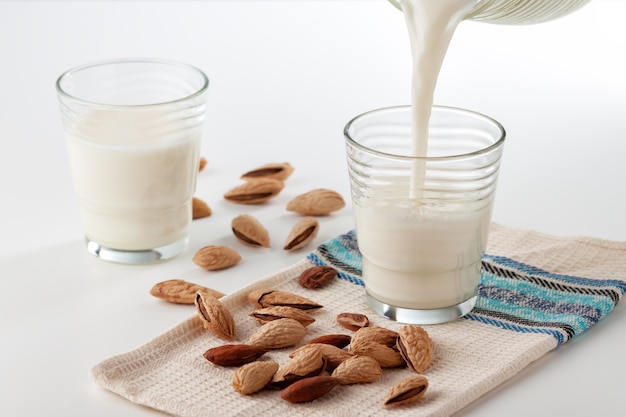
(518, 12)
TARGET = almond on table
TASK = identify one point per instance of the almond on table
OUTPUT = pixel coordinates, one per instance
(200, 209)
(255, 192)
(302, 233)
(249, 231)
(214, 315)
(234, 355)
(407, 391)
(317, 276)
(180, 291)
(267, 297)
(214, 257)
(254, 376)
(276, 171)
(278, 334)
(318, 202)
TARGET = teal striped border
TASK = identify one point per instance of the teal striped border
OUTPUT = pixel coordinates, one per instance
(512, 295)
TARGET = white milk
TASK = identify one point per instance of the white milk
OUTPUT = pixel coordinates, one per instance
(135, 178)
(450, 247)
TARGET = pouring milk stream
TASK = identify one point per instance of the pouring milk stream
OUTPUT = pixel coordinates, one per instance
(431, 25)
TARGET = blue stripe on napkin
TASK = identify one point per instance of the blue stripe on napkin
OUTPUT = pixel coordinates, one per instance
(512, 295)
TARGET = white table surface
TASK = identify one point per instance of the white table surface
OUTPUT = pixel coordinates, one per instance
(285, 78)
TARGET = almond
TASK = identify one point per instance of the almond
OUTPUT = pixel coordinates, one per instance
(233, 355)
(384, 355)
(317, 276)
(249, 231)
(376, 334)
(358, 369)
(216, 257)
(253, 377)
(202, 163)
(339, 340)
(353, 321)
(267, 297)
(308, 363)
(255, 192)
(180, 291)
(302, 233)
(416, 347)
(200, 209)
(334, 355)
(318, 202)
(309, 389)
(407, 391)
(265, 315)
(277, 171)
(278, 334)
(214, 315)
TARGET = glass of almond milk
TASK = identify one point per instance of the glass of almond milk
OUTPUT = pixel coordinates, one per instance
(133, 131)
(422, 221)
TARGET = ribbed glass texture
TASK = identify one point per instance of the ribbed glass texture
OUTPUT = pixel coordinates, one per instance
(464, 150)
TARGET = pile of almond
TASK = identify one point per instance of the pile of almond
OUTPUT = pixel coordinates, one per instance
(320, 364)
(325, 362)
(261, 185)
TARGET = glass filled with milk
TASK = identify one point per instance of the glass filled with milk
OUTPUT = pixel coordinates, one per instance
(422, 222)
(133, 130)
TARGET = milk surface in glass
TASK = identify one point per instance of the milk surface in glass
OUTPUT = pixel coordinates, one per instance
(133, 174)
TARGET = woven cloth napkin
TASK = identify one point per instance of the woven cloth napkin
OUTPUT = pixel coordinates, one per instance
(537, 292)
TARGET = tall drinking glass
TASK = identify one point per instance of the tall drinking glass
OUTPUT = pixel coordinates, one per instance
(422, 222)
(133, 131)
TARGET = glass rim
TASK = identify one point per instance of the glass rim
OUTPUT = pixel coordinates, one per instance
(102, 63)
(498, 143)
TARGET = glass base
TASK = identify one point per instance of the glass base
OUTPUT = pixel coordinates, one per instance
(411, 316)
(134, 257)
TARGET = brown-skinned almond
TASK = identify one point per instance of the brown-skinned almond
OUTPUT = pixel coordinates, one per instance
(302, 233)
(358, 369)
(308, 363)
(214, 315)
(249, 231)
(386, 356)
(233, 355)
(278, 334)
(215, 257)
(316, 276)
(353, 321)
(180, 291)
(267, 297)
(334, 355)
(407, 391)
(416, 347)
(257, 191)
(318, 202)
(254, 376)
(202, 163)
(200, 209)
(309, 389)
(336, 339)
(277, 171)
(267, 314)
(376, 334)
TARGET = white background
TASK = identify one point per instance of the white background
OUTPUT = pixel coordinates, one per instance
(285, 78)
